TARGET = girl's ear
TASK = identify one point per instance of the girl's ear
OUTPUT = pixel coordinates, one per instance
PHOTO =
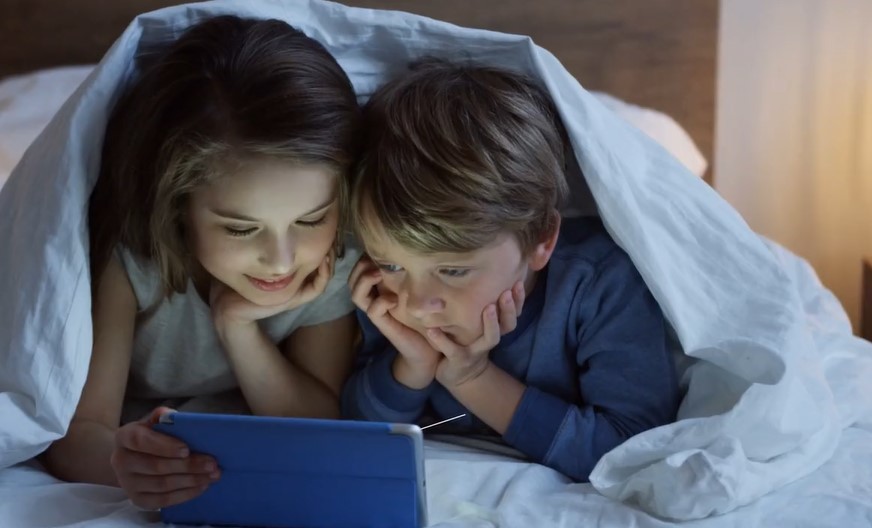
(541, 253)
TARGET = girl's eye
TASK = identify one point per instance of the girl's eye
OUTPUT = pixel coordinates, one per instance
(313, 223)
(236, 232)
(454, 272)
(389, 268)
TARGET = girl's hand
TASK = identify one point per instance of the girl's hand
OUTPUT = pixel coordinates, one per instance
(416, 365)
(229, 308)
(157, 470)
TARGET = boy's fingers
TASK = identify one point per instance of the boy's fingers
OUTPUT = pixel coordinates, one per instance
(519, 295)
(508, 316)
(387, 325)
(363, 266)
(361, 290)
(380, 306)
(491, 331)
(361, 295)
(442, 343)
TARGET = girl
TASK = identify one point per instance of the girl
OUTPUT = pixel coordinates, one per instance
(214, 240)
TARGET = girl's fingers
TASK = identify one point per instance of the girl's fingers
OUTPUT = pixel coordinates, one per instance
(172, 482)
(142, 464)
(155, 501)
(141, 438)
(319, 284)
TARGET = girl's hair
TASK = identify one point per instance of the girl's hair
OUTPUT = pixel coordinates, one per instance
(228, 90)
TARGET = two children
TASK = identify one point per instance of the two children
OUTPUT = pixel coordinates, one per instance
(219, 277)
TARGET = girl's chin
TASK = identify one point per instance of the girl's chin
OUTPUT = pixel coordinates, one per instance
(262, 298)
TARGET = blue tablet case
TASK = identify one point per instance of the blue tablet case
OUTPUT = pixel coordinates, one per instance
(303, 473)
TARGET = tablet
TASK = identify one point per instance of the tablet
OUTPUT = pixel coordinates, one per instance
(296, 472)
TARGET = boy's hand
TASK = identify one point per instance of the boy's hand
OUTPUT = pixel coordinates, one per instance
(157, 470)
(510, 304)
(231, 309)
(415, 367)
(460, 364)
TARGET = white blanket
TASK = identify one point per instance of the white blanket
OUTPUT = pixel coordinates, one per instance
(468, 489)
(779, 379)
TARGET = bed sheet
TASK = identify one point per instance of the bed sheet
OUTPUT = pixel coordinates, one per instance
(472, 488)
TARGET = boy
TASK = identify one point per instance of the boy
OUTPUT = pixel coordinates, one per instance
(456, 202)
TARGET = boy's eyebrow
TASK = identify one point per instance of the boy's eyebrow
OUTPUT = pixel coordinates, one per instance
(244, 218)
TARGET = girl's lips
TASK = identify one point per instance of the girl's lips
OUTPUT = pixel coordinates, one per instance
(271, 285)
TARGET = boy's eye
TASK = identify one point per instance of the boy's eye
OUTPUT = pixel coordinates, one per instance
(389, 268)
(454, 272)
(312, 223)
(239, 232)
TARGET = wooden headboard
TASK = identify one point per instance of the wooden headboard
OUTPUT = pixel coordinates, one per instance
(655, 53)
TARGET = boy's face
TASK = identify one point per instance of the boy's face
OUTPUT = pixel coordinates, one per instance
(449, 291)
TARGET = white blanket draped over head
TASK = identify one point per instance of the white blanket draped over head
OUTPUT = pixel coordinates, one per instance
(777, 375)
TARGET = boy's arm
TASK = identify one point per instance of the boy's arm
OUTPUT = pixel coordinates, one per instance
(626, 381)
(373, 392)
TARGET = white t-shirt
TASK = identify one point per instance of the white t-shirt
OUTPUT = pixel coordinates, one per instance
(178, 359)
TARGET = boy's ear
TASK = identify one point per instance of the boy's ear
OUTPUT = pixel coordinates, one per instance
(542, 251)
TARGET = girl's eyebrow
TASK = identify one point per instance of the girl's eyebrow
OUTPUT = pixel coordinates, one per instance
(231, 215)
(321, 207)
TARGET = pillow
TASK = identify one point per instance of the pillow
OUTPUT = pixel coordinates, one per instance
(27, 104)
(661, 128)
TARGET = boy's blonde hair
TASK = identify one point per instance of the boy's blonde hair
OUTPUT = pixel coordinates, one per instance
(455, 156)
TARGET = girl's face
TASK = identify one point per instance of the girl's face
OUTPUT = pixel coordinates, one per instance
(266, 227)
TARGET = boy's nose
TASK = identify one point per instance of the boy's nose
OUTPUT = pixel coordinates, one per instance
(423, 301)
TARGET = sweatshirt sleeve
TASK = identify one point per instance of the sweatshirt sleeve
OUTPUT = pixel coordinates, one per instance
(626, 378)
(372, 393)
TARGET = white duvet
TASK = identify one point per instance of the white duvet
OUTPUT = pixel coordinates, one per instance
(778, 385)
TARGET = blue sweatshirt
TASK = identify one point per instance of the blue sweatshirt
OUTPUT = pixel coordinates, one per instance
(590, 345)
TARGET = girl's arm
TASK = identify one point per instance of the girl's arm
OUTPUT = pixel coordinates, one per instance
(155, 470)
(303, 377)
(83, 454)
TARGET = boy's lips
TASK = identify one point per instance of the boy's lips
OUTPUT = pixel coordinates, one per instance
(271, 285)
